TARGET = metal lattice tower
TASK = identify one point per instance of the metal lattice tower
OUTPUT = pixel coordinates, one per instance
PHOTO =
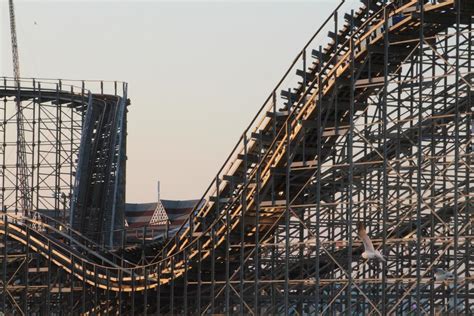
(22, 163)
(16, 62)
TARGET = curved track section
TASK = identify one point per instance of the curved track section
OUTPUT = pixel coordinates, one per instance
(377, 128)
(76, 152)
(75, 148)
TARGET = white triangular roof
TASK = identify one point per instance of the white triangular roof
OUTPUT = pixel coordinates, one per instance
(159, 217)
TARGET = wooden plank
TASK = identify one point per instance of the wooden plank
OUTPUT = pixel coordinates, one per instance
(279, 114)
(38, 269)
(304, 164)
(233, 179)
(273, 203)
(335, 132)
(285, 94)
(250, 158)
(369, 81)
(267, 139)
(310, 76)
(66, 289)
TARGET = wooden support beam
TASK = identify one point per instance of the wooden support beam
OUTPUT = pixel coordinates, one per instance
(363, 83)
(250, 158)
(233, 179)
(273, 203)
(335, 132)
(221, 199)
(304, 164)
(280, 115)
(310, 76)
(266, 139)
(38, 269)
(285, 94)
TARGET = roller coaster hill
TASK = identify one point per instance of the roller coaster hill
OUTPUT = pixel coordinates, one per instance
(371, 125)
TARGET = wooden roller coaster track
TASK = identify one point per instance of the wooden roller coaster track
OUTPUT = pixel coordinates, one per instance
(252, 200)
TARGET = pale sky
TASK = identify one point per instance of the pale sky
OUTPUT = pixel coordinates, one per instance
(197, 72)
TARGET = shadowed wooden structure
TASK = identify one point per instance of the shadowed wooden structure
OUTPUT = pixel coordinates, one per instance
(376, 127)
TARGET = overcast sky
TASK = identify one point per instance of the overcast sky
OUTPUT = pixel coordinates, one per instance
(197, 72)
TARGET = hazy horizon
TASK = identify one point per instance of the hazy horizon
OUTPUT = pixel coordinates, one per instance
(197, 72)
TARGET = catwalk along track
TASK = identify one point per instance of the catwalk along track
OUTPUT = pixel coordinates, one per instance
(374, 128)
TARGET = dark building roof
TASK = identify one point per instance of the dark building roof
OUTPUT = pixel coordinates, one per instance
(178, 211)
(139, 214)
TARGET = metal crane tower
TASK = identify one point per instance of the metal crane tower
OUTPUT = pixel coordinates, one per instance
(16, 63)
(22, 165)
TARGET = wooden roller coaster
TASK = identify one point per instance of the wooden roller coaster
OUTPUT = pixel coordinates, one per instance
(376, 129)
